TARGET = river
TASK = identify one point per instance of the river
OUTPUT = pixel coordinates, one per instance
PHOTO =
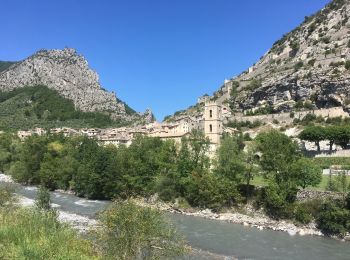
(220, 238)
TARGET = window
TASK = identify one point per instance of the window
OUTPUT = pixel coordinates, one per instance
(211, 113)
(210, 128)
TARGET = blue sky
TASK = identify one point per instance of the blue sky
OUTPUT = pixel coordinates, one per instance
(161, 54)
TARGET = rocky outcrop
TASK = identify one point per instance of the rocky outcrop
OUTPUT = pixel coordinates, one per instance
(70, 75)
(309, 67)
(311, 63)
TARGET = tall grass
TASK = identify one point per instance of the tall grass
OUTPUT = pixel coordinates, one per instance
(127, 232)
(34, 234)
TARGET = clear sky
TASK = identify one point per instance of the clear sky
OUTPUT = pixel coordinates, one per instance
(161, 54)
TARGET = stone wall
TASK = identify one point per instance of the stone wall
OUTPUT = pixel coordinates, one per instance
(285, 117)
(304, 195)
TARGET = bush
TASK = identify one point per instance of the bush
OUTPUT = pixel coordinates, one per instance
(42, 201)
(347, 201)
(333, 219)
(246, 137)
(302, 214)
(347, 64)
(6, 195)
(254, 84)
(278, 201)
(299, 104)
(308, 119)
(240, 124)
(132, 232)
(211, 191)
(298, 65)
(311, 62)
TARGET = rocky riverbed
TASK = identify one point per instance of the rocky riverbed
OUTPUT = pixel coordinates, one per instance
(257, 220)
(251, 218)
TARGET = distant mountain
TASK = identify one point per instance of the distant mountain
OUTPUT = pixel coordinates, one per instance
(69, 75)
(310, 66)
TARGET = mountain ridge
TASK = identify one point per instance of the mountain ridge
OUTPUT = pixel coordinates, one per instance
(308, 67)
(69, 74)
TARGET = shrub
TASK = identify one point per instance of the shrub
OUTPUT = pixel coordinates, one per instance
(311, 62)
(295, 48)
(246, 137)
(254, 84)
(299, 104)
(347, 64)
(333, 219)
(326, 40)
(302, 214)
(132, 232)
(278, 201)
(308, 105)
(347, 201)
(6, 195)
(42, 201)
(308, 119)
(298, 65)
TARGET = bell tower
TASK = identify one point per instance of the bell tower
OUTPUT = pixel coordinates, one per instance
(212, 122)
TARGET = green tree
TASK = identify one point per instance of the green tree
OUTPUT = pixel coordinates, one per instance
(342, 136)
(331, 135)
(314, 134)
(230, 160)
(306, 173)
(278, 153)
(169, 180)
(30, 156)
(210, 190)
(19, 172)
(252, 168)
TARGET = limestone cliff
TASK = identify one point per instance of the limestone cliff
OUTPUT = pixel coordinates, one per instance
(70, 75)
(310, 66)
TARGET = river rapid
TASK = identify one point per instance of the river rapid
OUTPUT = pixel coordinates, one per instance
(213, 239)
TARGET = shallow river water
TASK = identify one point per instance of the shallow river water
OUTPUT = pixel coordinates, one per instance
(220, 238)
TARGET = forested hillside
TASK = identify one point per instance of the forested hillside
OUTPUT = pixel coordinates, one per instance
(39, 106)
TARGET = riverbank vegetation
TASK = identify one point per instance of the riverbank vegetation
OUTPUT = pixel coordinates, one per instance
(126, 231)
(34, 234)
(181, 173)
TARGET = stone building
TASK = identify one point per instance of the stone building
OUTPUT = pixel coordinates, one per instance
(213, 127)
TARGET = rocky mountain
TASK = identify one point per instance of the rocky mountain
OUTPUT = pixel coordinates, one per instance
(68, 73)
(308, 67)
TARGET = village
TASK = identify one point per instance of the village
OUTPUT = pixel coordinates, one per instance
(210, 123)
